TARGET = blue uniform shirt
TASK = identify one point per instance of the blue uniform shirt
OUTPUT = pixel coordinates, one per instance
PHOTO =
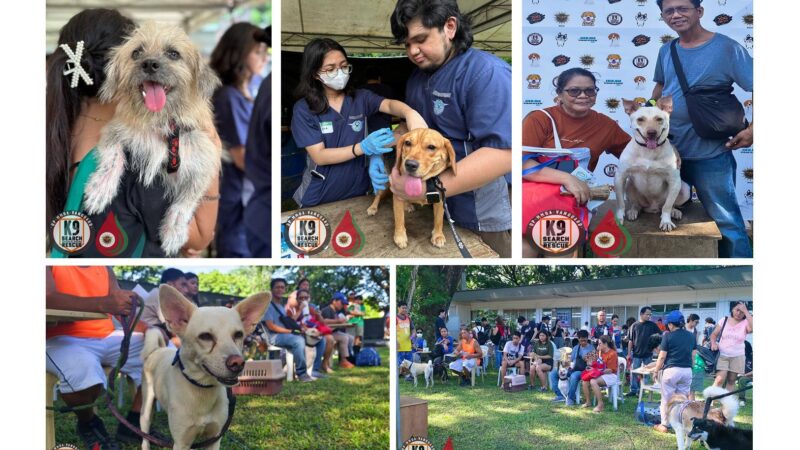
(334, 129)
(232, 111)
(719, 62)
(468, 100)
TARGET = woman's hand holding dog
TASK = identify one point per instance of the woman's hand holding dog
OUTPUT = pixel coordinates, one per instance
(377, 142)
(579, 189)
(377, 173)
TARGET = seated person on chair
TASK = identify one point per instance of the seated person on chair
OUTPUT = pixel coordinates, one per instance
(541, 352)
(77, 351)
(470, 355)
(512, 355)
(578, 365)
(444, 346)
(608, 353)
(280, 336)
(331, 316)
(418, 344)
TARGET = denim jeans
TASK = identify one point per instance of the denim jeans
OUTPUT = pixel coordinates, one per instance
(320, 352)
(574, 382)
(715, 182)
(404, 355)
(554, 384)
(498, 358)
(635, 364)
(297, 345)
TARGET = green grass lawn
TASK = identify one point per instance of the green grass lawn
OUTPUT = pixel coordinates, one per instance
(484, 417)
(349, 409)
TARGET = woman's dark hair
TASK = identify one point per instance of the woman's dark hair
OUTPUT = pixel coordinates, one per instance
(100, 30)
(310, 87)
(545, 332)
(692, 317)
(229, 58)
(562, 79)
(606, 339)
(733, 305)
(432, 14)
(275, 281)
(630, 321)
(301, 280)
(710, 320)
(696, 3)
(653, 341)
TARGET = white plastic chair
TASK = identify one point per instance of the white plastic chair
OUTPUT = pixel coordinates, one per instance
(289, 361)
(613, 391)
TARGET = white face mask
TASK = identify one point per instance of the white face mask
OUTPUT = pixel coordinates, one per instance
(419, 335)
(337, 82)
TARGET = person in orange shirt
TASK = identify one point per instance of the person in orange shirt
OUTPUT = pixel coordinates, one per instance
(608, 353)
(577, 126)
(470, 355)
(77, 351)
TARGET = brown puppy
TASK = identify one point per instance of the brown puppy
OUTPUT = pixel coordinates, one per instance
(421, 154)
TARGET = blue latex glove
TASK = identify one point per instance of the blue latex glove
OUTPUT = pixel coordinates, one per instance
(377, 142)
(377, 173)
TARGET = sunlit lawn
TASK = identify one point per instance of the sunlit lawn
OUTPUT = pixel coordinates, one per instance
(485, 417)
(350, 409)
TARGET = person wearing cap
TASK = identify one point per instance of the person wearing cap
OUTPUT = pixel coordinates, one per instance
(675, 359)
(332, 315)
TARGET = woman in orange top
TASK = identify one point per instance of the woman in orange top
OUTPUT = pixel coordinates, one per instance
(470, 352)
(608, 354)
(578, 126)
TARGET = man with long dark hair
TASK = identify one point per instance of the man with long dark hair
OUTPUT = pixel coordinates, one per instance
(465, 94)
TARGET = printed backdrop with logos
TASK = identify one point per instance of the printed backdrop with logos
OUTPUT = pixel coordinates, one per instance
(618, 41)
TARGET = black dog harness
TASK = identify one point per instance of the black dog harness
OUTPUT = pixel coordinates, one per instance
(178, 361)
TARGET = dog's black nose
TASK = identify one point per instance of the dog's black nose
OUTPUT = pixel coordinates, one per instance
(150, 66)
(412, 165)
(234, 363)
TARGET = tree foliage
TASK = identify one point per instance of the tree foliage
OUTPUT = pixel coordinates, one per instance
(139, 274)
(435, 286)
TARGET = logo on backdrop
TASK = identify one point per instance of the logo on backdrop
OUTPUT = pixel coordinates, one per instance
(561, 39)
(307, 232)
(640, 40)
(640, 81)
(610, 170)
(612, 103)
(588, 18)
(614, 61)
(587, 61)
(535, 58)
(535, 39)
(535, 18)
(71, 231)
(613, 38)
(561, 18)
(555, 231)
(614, 19)
(534, 81)
(640, 61)
(748, 42)
(560, 60)
(641, 19)
(723, 19)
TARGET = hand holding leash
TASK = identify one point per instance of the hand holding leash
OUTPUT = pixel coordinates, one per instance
(119, 302)
(377, 142)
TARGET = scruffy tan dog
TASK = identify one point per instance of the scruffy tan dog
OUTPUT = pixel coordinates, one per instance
(163, 88)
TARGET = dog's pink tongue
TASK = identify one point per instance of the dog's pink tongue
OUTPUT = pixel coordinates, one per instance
(154, 96)
(651, 143)
(413, 186)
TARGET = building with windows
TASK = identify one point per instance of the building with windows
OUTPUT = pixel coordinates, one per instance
(707, 292)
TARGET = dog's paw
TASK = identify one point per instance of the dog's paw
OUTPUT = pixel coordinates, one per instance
(438, 239)
(372, 210)
(632, 214)
(666, 225)
(676, 214)
(620, 216)
(401, 240)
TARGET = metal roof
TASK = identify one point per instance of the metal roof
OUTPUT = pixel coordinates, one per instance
(362, 26)
(716, 278)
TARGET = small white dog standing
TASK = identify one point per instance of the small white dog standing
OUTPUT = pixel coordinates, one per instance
(414, 369)
(190, 383)
(649, 175)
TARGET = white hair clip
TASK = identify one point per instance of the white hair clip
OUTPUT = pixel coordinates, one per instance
(74, 65)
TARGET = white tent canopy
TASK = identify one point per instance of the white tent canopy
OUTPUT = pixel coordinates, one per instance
(362, 26)
(191, 15)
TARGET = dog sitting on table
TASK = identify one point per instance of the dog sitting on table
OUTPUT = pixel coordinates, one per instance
(162, 88)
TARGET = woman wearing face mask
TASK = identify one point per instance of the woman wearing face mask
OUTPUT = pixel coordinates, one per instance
(330, 122)
(419, 344)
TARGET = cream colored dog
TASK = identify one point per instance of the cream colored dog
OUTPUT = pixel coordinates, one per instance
(414, 369)
(162, 87)
(191, 385)
(649, 175)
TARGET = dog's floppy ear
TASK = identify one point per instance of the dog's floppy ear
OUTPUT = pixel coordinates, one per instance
(630, 106)
(108, 90)
(207, 79)
(665, 104)
(451, 154)
(177, 310)
(252, 309)
(399, 145)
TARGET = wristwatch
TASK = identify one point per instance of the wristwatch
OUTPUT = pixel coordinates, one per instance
(432, 194)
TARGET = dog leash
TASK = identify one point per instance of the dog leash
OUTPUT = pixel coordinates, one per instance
(710, 399)
(459, 243)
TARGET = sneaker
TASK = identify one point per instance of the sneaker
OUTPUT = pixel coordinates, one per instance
(542, 389)
(94, 435)
(570, 402)
(306, 378)
(557, 399)
(316, 374)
